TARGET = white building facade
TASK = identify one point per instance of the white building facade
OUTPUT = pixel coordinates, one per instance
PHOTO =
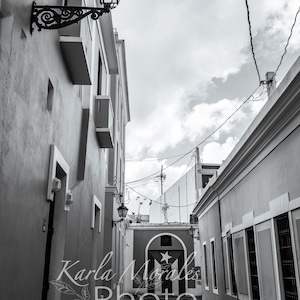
(63, 113)
(249, 213)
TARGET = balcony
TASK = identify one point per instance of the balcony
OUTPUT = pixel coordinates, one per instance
(104, 117)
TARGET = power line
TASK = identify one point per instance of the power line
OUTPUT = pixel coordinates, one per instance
(257, 98)
(162, 204)
(202, 141)
(251, 41)
(145, 183)
(288, 41)
(147, 178)
(262, 95)
(153, 159)
(214, 131)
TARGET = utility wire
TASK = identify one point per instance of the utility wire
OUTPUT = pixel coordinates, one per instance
(143, 178)
(151, 200)
(251, 41)
(214, 131)
(259, 98)
(154, 159)
(147, 178)
(254, 58)
(204, 140)
(145, 183)
(287, 43)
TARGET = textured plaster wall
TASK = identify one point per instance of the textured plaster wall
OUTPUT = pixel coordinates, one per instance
(182, 193)
(27, 130)
(142, 238)
(208, 230)
(276, 175)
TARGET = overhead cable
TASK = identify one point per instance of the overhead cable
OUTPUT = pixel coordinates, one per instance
(251, 41)
(151, 200)
(202, 141)
(288, 41)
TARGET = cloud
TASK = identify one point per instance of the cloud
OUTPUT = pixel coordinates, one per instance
(160, 130)
(206, 117)
(175, 124)
(215, 152)
(190, 66)
(175, 48)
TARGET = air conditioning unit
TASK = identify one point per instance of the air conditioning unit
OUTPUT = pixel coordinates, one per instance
(75, 59)
(104, 120)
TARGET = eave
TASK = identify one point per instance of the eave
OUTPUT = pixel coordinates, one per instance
(109, 43)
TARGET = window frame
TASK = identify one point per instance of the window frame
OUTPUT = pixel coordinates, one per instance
(214, 273)
(206, 283)
(231, 266)
(96, 203)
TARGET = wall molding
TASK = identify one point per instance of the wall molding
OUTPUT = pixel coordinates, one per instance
(277, 206)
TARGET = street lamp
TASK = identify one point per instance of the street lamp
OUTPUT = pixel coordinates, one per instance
(122, 212)
(54, 17)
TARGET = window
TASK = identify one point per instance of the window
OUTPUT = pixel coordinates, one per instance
(253, 263)
(99, 82)
(225, 259)
(205, 179)
(231, 266)
(96, 213)
(165, 240)
(286, 257)
(213, 265)
(50, 94)
(205, 265)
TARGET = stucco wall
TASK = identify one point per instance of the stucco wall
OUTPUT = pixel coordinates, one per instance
(209, 227)
(26, 133)
(265, 188)
(180, 197)
(139, 244)
(276, 175)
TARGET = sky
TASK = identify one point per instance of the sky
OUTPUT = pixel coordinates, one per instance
(190, 68)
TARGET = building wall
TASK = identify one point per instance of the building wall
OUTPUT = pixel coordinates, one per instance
(31, 131)
(255, 197)
(140, 239)
(210, 232)
(182, 195)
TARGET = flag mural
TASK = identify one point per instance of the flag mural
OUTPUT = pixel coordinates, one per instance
(168, 264)
(163, 260)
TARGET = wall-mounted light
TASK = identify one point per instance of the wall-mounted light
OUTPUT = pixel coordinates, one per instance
(122, 212)
(56, 185)
(194, 232)
(54, 17)
(69, 198)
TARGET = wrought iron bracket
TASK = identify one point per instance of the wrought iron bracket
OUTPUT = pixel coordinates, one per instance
(54, 17)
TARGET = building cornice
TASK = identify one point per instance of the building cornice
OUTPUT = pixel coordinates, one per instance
(108, 35)
(123, 68)
(162, 226)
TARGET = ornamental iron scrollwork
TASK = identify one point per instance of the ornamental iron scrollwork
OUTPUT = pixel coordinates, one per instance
(54, 17)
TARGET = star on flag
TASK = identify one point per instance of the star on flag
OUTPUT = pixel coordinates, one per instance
(165, 257)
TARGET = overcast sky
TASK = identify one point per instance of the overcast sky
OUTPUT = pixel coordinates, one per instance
(190, 66)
